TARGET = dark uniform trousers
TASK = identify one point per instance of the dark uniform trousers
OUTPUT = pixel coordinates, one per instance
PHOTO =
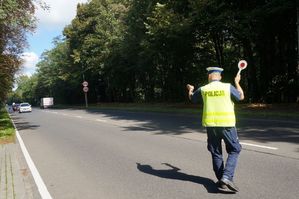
(233, 148)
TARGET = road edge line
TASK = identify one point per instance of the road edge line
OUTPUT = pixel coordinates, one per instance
(36, 176)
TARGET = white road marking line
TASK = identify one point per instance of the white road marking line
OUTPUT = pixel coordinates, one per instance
(100, 120)
(259, 146)
(78, 116)
(36, 176)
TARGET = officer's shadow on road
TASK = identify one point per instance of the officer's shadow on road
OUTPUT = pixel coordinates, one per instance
(175, 174)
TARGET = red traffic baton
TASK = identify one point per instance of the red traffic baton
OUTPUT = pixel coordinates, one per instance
(241, 65)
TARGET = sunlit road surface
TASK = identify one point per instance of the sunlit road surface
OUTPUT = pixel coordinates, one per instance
(135, 155)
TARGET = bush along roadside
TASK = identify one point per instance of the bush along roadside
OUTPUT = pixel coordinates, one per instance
(7, 131)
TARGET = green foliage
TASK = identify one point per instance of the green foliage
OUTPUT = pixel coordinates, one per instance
(16, 18)
(56, 75)
(6, 127)
(25, 91)
(132, 50)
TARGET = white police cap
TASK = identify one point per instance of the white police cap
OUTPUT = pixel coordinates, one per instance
(214, 70)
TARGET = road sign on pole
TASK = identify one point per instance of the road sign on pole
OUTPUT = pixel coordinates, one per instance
(85, 83)
(85, 90)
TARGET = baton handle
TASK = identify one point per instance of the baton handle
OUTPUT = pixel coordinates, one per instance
(239, 72)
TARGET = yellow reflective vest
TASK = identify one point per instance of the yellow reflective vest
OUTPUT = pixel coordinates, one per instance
(218, 110)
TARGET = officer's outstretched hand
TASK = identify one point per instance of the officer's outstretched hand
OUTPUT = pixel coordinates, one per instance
(190, 87)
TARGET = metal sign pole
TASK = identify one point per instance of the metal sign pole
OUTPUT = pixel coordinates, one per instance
(86, 100)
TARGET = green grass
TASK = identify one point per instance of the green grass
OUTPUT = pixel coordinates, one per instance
(7, 131)
(285, 111)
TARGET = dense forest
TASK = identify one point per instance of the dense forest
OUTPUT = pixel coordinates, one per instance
(148, 50)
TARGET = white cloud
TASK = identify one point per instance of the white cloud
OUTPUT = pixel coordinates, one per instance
(61, 12)
(30, 60)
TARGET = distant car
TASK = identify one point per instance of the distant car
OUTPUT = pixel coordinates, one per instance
(25, 107)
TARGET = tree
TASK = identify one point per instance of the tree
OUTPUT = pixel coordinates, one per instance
(262, 32)
(132, 50)
(94, 36)
(16, 18)
(56, 76)
(26, 89)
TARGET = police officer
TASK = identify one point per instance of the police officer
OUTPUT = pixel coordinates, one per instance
(219, 119)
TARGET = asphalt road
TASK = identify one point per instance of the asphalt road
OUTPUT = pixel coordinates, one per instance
(135, 155)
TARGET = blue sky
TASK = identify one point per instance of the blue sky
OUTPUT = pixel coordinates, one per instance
(41, 41)
(50, 25)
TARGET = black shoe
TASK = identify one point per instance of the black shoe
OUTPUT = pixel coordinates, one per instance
(229, 184)
(221, 186)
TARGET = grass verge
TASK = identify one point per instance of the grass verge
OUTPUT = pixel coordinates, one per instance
(7, 130)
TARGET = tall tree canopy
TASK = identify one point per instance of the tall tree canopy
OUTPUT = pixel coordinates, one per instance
(16, 18)
(132, 50)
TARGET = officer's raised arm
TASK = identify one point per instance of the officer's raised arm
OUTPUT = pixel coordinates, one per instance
(238, 87)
